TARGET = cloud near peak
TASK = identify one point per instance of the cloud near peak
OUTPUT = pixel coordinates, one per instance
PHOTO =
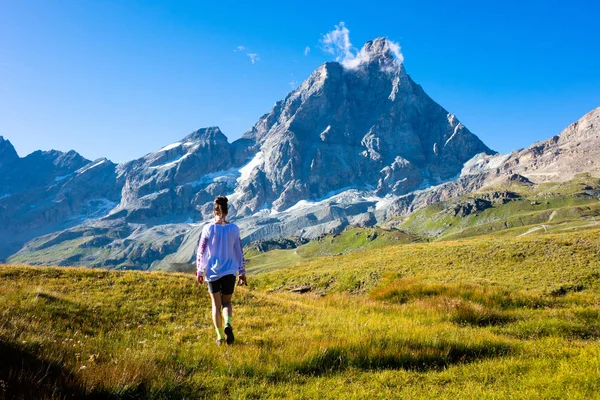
(337, 42)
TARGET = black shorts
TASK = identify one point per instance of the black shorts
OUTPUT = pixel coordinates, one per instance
(225, 285)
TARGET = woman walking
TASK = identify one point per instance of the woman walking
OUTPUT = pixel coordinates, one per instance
(219, 259)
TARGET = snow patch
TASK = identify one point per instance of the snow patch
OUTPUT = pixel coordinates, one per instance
(171, 163)
(228, 176)
(395, 83)
(86, 168)
(384, 203)
(482, 162)
(95, 209)
(345, 195)
(247, 169)
(244, 175)
(169, 147)
(322, 134)
(456, 128)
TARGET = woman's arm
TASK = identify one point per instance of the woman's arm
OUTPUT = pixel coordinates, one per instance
(242, 269)
(200, 256)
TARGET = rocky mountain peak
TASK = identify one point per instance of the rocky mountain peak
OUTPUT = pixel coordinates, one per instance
(211, 133)
(380, 52)
(381, 47)
(358, 123)
(8, 153)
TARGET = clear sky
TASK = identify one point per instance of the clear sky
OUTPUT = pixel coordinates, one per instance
(121, 78)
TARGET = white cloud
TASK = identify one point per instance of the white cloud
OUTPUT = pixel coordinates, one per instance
(240, 48)
(253, 57)
(337, 42)
(293, 84)
(306, 50)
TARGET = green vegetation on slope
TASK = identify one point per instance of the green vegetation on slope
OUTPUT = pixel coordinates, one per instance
(534, 209)
(349, 241)
(481, 318)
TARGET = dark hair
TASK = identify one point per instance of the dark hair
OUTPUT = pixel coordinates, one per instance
(221, 206)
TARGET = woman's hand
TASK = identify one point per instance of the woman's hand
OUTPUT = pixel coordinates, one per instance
(242, 280)
(200, 279)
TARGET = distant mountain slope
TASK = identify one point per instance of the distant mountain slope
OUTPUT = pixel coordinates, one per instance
(575, 150)
(48, 191)
(560, 158)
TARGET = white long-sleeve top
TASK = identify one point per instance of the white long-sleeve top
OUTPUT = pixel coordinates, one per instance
(220, 251)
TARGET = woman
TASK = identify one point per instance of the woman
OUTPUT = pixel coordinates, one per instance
(220, 257)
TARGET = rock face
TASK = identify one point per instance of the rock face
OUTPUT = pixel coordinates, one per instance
(575, 150)
(173, 182)
(368, 127)
(8, 154)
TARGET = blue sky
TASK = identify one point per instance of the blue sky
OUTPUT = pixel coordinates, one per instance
(121, 78)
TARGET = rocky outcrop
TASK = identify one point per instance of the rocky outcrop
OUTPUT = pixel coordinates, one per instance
(276, 244)
(8, 154)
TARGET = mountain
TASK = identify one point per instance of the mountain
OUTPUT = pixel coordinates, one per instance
(48, 191)
(368, 127)
(352, 146)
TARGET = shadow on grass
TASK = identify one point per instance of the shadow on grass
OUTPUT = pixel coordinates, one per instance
(24, 375)
(409, 355)
(68, 313)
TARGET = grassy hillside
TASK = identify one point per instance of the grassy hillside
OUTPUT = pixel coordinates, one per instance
(349, 241)
(480, 318)
(532, 209)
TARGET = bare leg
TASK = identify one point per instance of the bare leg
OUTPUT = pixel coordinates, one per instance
(226, 302)
(216, 309)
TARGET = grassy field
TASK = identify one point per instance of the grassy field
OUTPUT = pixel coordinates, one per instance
(489, 317)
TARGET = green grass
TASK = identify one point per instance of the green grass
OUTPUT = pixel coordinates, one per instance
(67, 249)
(491, 317)
(551, 205)
(351, 240)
